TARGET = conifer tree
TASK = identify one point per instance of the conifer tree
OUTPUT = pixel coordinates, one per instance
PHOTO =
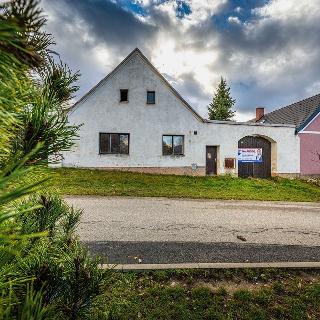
(45, 272)
(221, 106)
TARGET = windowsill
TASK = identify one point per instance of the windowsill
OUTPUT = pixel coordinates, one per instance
(113, 154)
(150, 103)
(173, 155)
(124, 101)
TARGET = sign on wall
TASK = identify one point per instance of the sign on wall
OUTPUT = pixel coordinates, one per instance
(252, 155)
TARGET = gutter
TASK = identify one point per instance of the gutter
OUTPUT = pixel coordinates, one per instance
(249, 124)
(308, 120)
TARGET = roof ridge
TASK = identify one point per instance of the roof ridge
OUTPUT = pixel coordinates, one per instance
(296, 113)
(124, 61)
(175, 92)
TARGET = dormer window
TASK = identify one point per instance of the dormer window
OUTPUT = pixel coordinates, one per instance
(124, 95)
(151, 97)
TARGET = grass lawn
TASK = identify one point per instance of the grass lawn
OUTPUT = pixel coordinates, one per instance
(115, 183)
(211, 294)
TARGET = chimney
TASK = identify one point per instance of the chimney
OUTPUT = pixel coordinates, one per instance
(259, 113)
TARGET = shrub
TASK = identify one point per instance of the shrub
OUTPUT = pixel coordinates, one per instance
(60, 264)
(44, 270)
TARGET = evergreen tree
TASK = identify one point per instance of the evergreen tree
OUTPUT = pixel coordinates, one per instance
(45, 272)
(221, 106)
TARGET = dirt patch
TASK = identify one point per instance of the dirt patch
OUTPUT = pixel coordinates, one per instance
(244, 280)
(232, 286)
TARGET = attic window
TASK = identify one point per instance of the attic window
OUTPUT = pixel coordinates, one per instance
(151, 97)
(124, 95)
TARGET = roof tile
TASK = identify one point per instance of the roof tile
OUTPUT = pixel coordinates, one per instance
(295, 114)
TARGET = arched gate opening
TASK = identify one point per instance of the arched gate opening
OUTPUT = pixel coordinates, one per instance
(254, 157)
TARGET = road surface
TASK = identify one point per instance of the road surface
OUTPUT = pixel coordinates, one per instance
(160, 230)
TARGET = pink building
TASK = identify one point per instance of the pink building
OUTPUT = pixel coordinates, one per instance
(305, 115)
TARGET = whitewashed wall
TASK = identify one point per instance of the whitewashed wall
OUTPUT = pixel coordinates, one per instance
(102, 112)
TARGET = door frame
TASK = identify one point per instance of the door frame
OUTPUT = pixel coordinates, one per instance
(215, 168)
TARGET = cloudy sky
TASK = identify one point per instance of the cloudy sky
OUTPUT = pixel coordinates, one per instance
(268, 50)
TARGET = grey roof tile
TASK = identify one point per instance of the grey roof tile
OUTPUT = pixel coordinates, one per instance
(295, 114)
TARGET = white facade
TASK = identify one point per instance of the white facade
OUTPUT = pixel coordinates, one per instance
(101, 111)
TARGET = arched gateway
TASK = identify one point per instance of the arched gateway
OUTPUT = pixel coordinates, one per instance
(254, 157)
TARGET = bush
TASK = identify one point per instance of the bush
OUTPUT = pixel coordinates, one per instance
(45, 273)
(53, 216)
(62, 275)
(58, 264)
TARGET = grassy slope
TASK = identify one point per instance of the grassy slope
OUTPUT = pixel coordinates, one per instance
(212, 294)
(113, 183)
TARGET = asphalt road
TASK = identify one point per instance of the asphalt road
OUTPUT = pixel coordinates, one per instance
(159, 230)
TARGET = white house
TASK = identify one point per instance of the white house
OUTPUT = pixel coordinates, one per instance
(135, 120)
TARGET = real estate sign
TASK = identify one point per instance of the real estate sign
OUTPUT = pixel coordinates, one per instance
(252, 155)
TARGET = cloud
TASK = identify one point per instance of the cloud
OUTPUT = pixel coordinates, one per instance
(194, 11)
(284, 10)
(91, 36)
(111, 24)
(234, 20)
(204, 9)
(272, 59)
(188, 86)
(268, 50)
(106, 21)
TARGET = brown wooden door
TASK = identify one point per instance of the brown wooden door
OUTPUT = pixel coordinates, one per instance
(211, 160)
(256, 170)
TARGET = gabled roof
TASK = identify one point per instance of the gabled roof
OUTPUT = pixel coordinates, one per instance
(298, 114)
(136, 51)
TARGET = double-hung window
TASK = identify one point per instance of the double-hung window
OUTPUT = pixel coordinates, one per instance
(172, 145)
(114, 143)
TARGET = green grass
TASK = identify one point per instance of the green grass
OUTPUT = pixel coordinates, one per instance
(115, 183)
(211, 294)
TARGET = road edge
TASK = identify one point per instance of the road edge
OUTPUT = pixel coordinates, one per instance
(146, 267)
(249, 201)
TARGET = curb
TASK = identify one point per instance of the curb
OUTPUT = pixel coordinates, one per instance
(145, 267)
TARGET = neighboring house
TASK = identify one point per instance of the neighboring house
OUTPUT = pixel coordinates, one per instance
(305, 116)
(135, 120)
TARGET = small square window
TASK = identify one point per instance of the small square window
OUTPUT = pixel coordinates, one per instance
(124, 95)
(195, 132)
(151, 97)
